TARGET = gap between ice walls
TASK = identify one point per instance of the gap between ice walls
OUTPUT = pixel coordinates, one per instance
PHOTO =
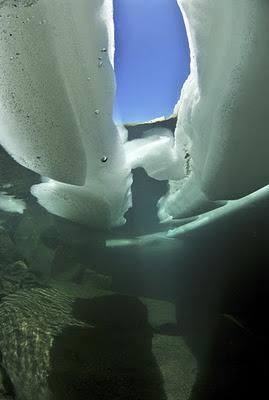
(56, 102)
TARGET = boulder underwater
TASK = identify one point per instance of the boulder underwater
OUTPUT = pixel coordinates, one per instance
(55, 345)
(56, 103)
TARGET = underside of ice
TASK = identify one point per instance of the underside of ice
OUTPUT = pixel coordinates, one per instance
(156, 153)
(223, 109)
(56, 101)
(11, 204)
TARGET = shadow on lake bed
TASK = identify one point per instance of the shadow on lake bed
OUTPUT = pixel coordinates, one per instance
(110, 359)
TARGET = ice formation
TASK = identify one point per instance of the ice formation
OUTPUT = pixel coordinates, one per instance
(156, 153)
(11, 204)
(223, 117)
(184, 226)
(57, 88)
(56, 97)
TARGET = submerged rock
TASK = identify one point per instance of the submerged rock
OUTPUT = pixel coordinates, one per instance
(56, 346)
(16, 276)
(28, 239)
(7, 247)
(100, 281)
(6, 387)
(30, 319)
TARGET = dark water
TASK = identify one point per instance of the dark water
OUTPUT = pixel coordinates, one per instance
(82, 321)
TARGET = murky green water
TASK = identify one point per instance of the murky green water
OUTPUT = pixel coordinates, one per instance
(80, 320)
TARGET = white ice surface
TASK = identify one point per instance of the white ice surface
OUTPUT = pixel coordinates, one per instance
(155, 152)
(223, 111)
(56, 100)
(11, 204)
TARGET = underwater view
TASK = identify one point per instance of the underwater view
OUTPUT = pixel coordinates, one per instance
(134, 198)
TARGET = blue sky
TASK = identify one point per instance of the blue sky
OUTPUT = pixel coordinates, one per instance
(151, 60)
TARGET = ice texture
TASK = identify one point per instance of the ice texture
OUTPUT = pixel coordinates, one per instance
(38, 125)
(56, 100)
(245, 204)
(155, 152)
(11, 204)
(223, 111)
(180, 228)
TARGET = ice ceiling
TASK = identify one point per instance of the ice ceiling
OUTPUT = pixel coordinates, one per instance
(56, 101)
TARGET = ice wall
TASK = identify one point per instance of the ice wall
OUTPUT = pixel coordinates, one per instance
(56, 98)
(223, 118)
